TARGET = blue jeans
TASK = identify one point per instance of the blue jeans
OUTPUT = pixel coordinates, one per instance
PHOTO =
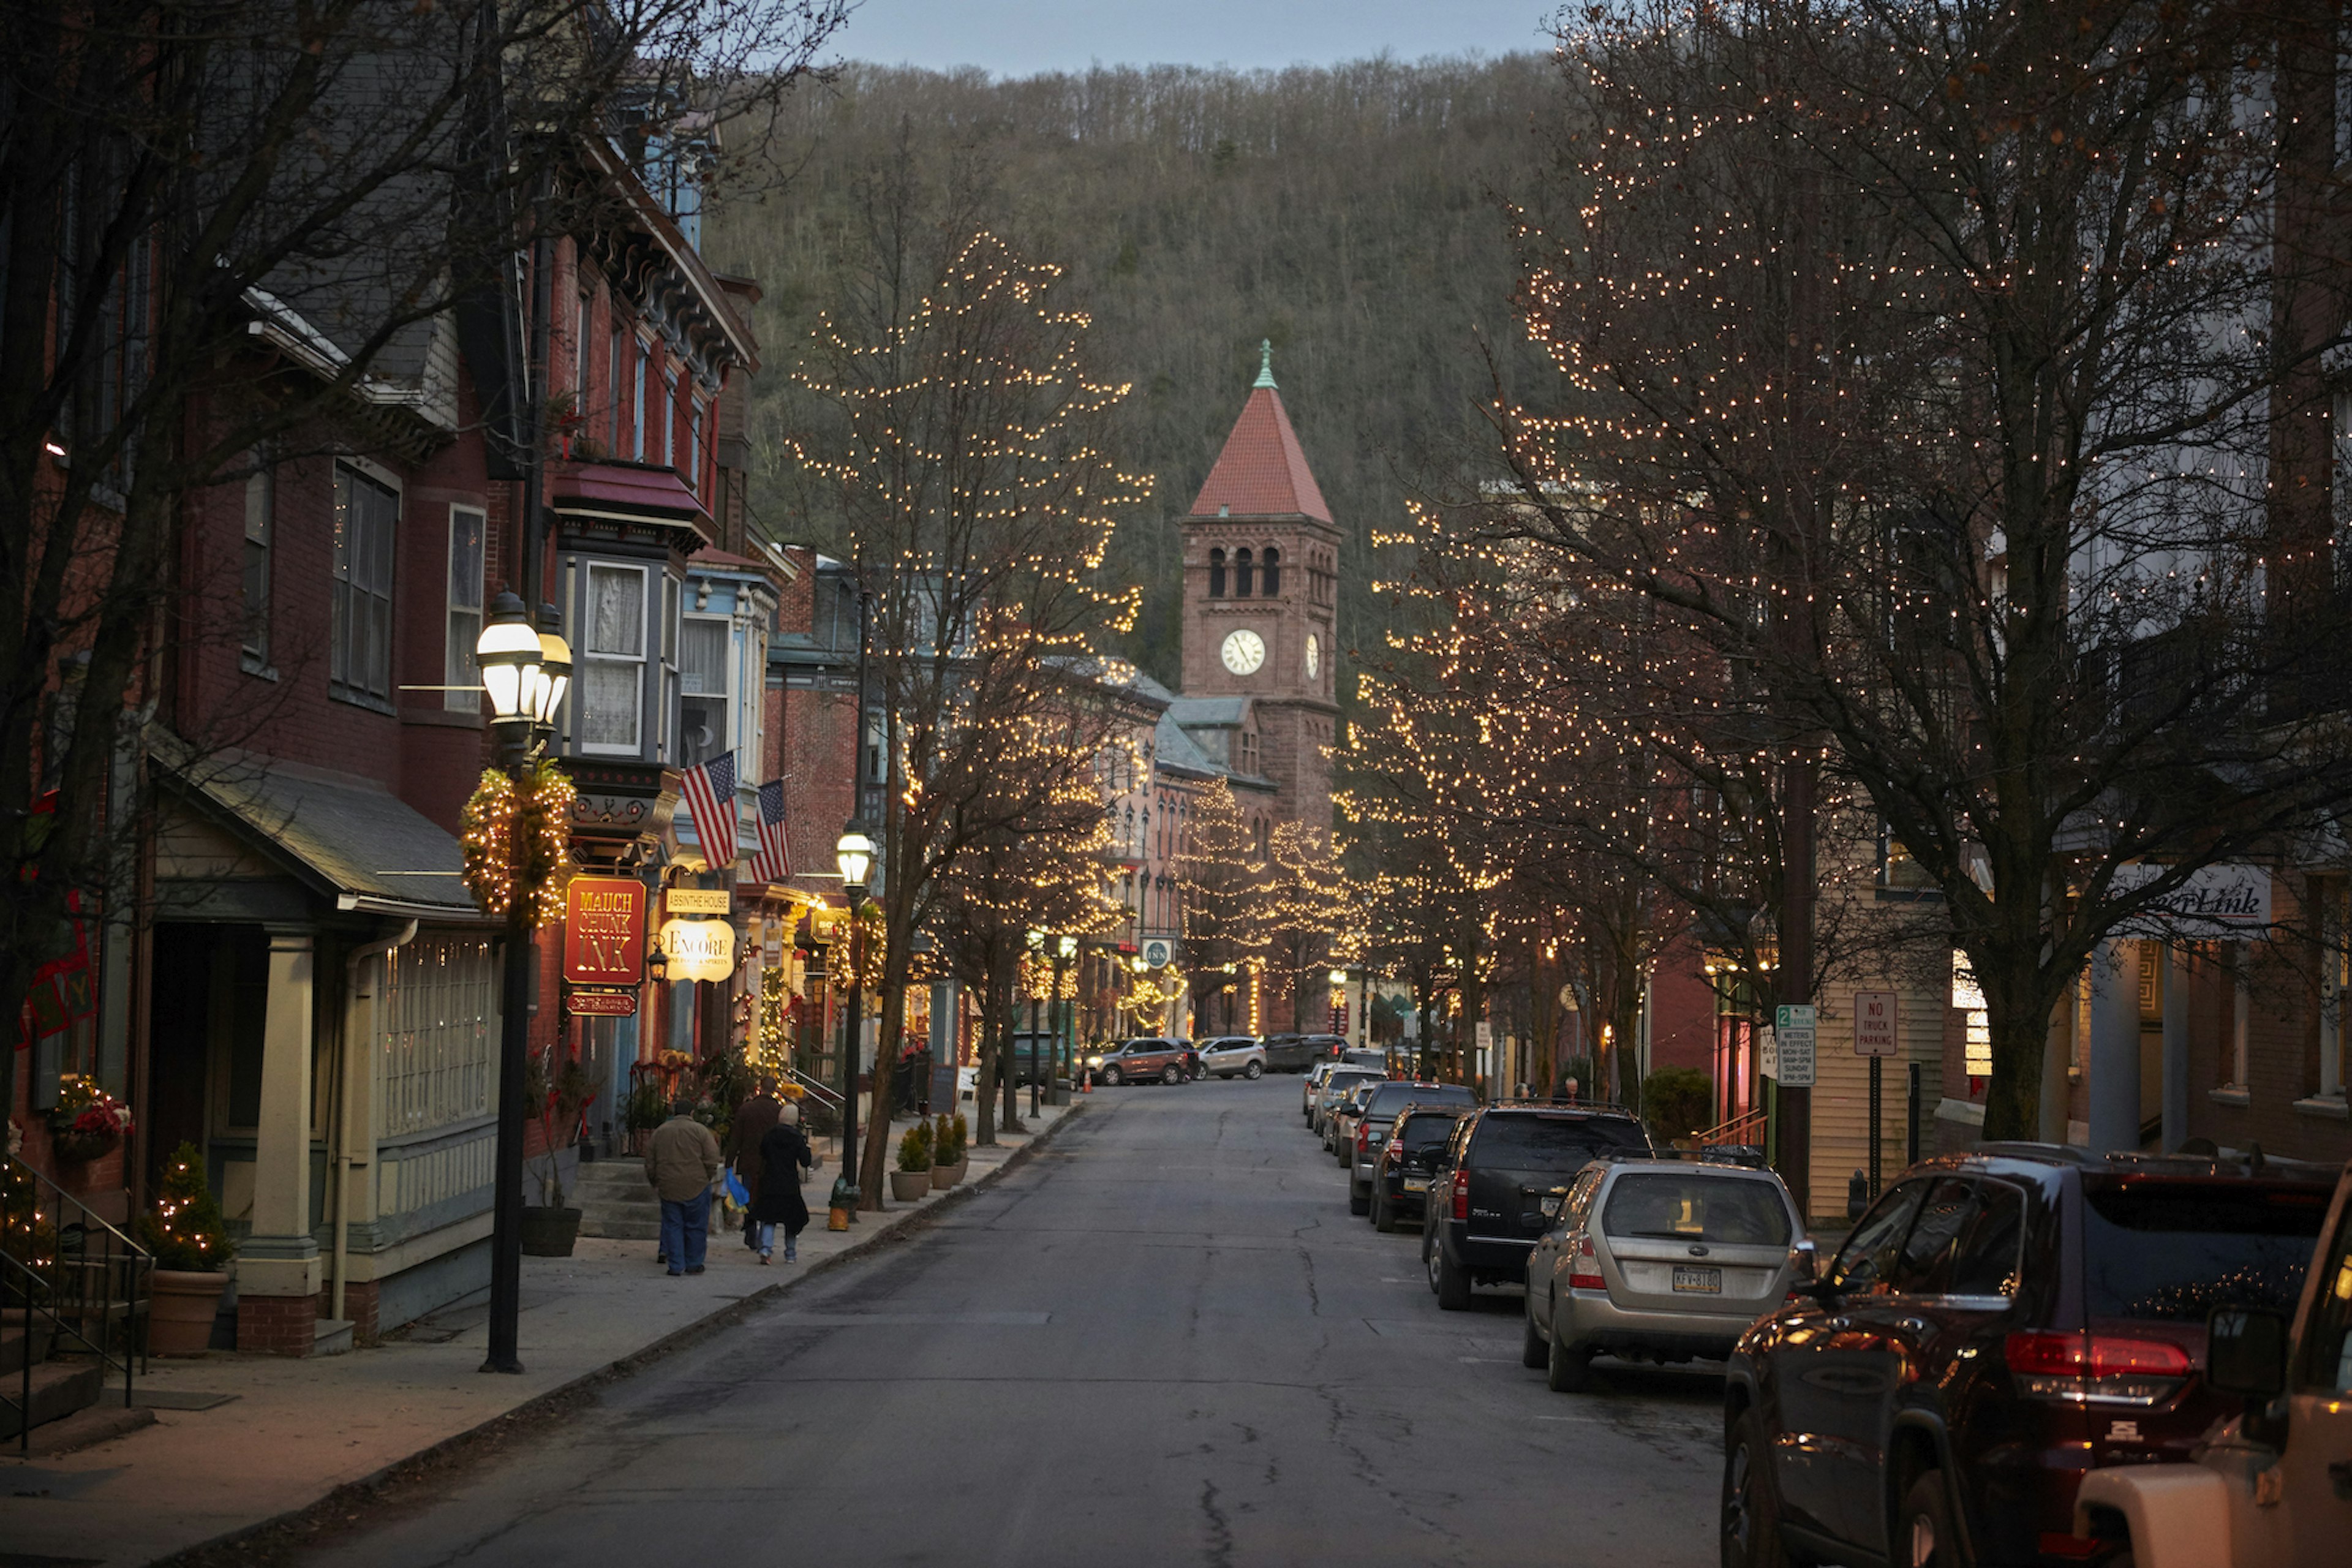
(765, 1234)
(685, 1231)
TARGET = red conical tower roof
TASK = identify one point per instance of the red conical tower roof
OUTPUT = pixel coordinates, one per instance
(1262, 472)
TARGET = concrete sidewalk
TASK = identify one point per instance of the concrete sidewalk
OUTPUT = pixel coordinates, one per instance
(296, 1430)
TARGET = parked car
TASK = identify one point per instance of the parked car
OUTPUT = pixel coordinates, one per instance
(1035, 1054)
(1413, 1144)
(1336, 1084)
(2269, 1489)
(1996, 1325)
(1234, 1056)
(1659, 1260)
(1154, 1058)
(1498, 1187)
(1368, 1137)
(1339, 1126)
(1291, 1053)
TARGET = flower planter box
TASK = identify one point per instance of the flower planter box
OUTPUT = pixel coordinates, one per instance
(908, 1186)
(181, 1310)
(550, 1233)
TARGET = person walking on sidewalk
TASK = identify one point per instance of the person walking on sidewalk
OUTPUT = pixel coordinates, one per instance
(784, 1153)
(682, 1161)
(753, 1118)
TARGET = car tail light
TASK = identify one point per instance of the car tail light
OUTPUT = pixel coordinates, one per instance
(1584, 1269)
(1363, 1136)
(1462, 1194)
(2094, 1369)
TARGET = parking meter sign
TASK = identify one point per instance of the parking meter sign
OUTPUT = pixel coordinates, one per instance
(1873, 1022)
(1792, 1030)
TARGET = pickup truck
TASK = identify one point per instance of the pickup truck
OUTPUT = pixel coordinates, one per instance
(1296, 1053)
(2273, 1487)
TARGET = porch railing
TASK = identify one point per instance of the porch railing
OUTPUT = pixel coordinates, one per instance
(1746, 1129)
(72, 1276)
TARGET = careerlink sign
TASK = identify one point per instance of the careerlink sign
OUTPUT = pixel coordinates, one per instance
(2215, 903)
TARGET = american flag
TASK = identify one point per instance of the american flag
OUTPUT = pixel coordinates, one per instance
(774, 860)
(707, 787)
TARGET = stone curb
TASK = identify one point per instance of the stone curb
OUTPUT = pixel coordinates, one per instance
(244, 1546)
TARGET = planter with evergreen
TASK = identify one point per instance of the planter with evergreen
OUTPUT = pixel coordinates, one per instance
(192, 1252)
(912, 1179)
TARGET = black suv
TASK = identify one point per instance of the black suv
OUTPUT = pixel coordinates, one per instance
(1411, 1150)
(1997, 1323)
(1498, 1184)
(1368, 1131)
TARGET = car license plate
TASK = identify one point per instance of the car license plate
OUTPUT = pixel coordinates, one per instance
(1416, 1183)
(1708, 1280)
(1551, 1203)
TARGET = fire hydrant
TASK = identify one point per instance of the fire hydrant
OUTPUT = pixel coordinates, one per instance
(843, 1203)
(1857, 1195)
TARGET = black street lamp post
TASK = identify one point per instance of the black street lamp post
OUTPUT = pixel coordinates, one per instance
(1065, 950)
(854, 857)
(1036, 1041)
(525, 671)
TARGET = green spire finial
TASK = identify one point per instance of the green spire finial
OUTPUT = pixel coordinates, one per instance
(1264, 364)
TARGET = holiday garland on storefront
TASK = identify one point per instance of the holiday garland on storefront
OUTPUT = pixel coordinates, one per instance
(520, 838)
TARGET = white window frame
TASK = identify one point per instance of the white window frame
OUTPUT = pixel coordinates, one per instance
(637, 401)
(728, 724)
(694, 445)
(461, 674)
(672, 605)
(587, 653)
(669, 418)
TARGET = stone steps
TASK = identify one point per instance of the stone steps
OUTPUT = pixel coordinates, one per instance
(615, 1203)
(60, 1388)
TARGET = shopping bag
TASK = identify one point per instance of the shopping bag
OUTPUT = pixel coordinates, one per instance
(735, 1193)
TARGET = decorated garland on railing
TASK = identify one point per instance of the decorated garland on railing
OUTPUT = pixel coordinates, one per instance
(520, 838)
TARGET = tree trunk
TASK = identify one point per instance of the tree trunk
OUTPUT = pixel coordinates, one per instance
(991, 1059)
(1011, 1079)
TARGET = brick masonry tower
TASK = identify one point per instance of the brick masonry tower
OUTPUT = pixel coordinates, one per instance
(1261, 597)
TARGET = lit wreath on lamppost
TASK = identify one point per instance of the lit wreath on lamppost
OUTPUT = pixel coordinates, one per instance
(517, 836)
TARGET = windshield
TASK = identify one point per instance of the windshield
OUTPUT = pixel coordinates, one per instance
(1549, 1143)
(1679, 1205)
(2175, 1250)
(1339, 1083)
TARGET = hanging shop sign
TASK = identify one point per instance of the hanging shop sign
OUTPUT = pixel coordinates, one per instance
(1158, 951)
(605, 930)
(699, 901)
(2216, 904)
(699, 950)
(601, 1004)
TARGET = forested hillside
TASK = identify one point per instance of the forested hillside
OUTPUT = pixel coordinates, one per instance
(1350, 215)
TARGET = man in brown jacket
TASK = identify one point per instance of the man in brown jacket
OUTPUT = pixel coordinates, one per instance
(752, 1119)
(680, 1160)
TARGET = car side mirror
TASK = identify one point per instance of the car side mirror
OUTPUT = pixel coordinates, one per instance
(1806, 1260)
(2245, 1352)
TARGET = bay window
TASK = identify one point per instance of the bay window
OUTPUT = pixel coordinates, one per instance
(704, 662)
(611, 660)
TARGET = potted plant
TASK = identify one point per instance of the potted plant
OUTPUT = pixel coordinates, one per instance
(550, 1227)
(912, 1179)
(86, 1123)
(191, 1248)
(947, 1152)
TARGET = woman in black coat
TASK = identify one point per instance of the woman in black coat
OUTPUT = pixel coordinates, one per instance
(784, 1153)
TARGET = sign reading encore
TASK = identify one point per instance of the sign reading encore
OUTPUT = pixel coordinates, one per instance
(604, 931)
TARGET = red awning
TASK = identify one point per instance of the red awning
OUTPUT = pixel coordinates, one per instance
(626, 492)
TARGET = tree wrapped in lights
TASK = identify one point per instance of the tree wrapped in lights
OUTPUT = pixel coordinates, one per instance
(1221, 885)
(183, 1230)
(1949, 371)
(962, 455)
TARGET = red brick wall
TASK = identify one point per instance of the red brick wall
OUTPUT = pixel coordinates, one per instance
(1682, 1011)
(278, 1325)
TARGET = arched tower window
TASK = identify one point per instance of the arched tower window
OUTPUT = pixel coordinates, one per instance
(1216, 573)
(1241, 574)
(1272, 572)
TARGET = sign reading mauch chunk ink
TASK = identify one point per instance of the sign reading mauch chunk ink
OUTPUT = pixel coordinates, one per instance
(604, 931)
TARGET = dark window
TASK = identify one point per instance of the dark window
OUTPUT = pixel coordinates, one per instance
(2174, 1251)
(1987, 1261)
(1684, 1205)
(361, 653)
(1272, 562)
(1393, 1098)
(2328, 1339)
(1424, 1132)
(1926, 1262)
(1241, 574)
(1868, 1257)
(260, 509)
(1216, 573)
(1549, 1140)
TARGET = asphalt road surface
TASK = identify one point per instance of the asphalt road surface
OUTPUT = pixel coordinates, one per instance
(1164, 1341)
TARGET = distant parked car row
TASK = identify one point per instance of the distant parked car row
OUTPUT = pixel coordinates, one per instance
(1998, 1326)
(1164, 1059)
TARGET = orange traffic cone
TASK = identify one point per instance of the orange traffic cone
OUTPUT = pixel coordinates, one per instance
(1090, 1088)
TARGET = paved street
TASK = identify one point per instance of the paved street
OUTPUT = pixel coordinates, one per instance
(1164, 1341)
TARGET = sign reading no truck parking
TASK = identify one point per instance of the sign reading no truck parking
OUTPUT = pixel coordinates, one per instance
(1793, 1030)
(1873, 1022)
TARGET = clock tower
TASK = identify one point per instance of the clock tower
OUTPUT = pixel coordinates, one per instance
(1261, 598)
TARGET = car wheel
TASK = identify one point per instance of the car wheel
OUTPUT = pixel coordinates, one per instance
(1924, 1537)
(1254, 1070)
(1533, 1351)
(1566, 1370)
(1452, 1281)
(1358, 1202)
(1751, 1509)
(1110, 1077)
(1171, 1075)
(1383, 1216)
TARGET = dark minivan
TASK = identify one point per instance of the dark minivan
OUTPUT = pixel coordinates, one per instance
(1997, 1323)
(1493, 1191)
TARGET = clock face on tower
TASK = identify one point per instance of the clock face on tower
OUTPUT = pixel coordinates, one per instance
(1245, 650)
(1314, 655)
